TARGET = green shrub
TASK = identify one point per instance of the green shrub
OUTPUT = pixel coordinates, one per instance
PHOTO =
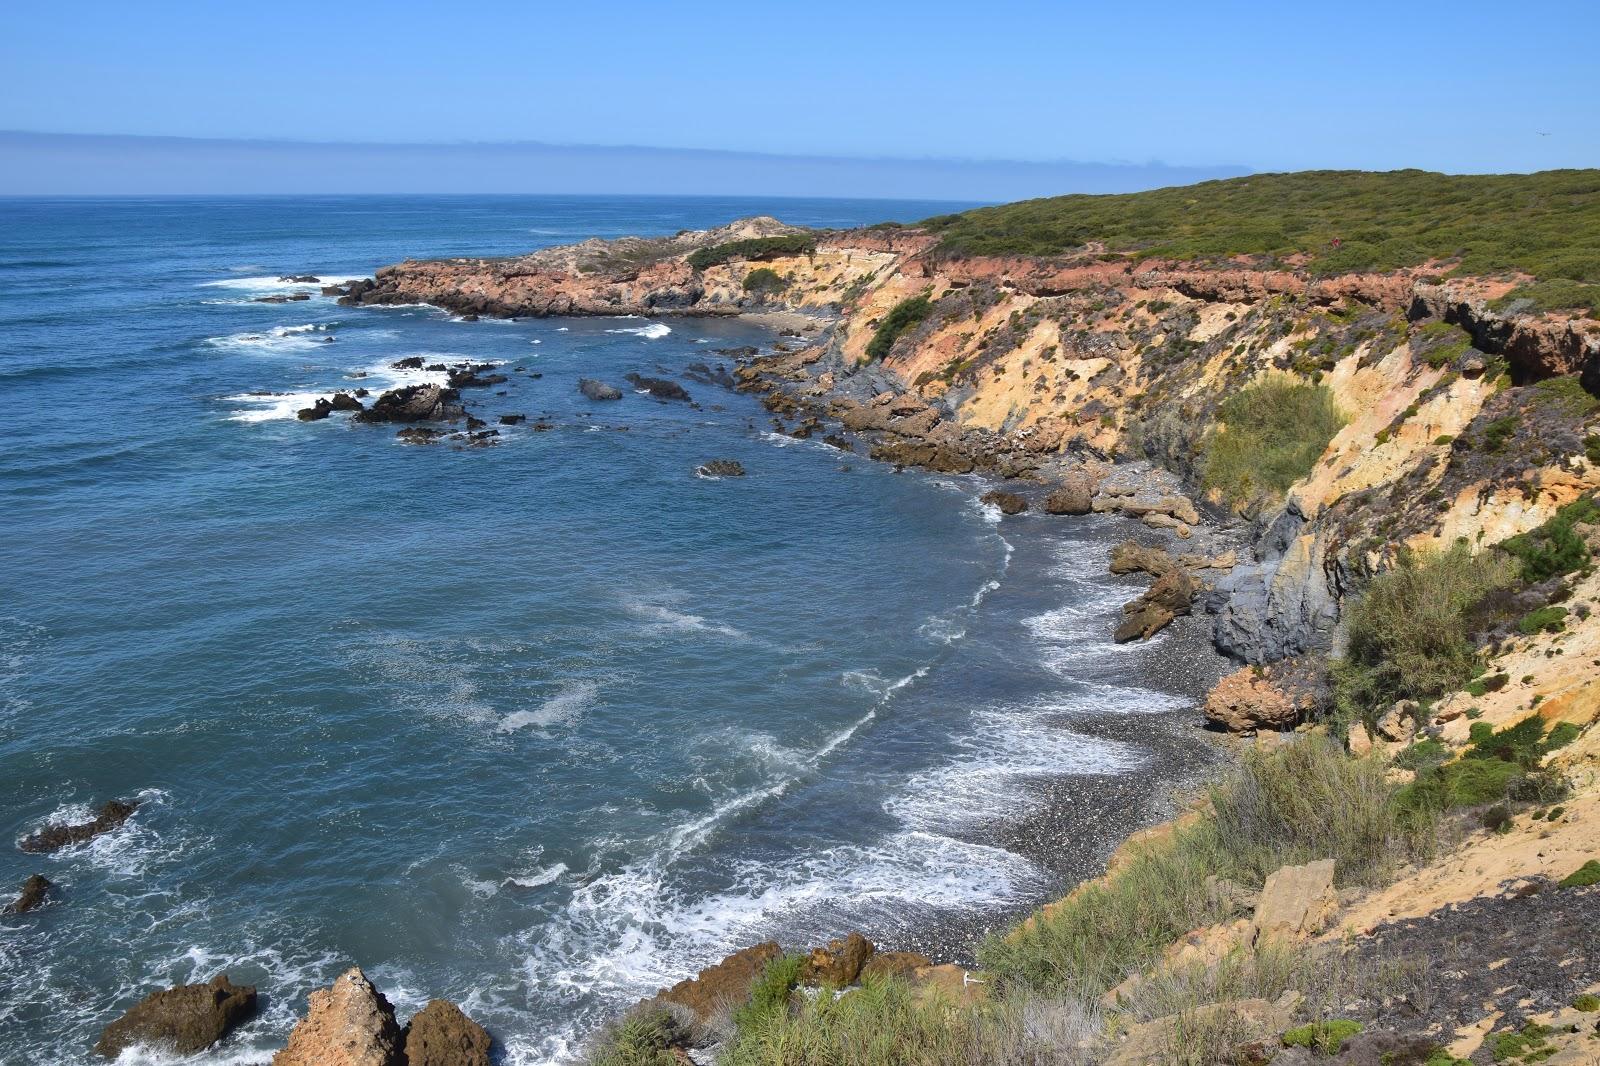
(1527, 1044)
(901, 317)
(1544, 620)
(1586, 1003)
(770, 992)
(764, 280)
(753, 248)
(1327, 1037)
(1306, 800)
(1272, 433)
(642, 1038)
(1499, 432)
(1584, 876)
(1411, 634)
(1423, 755)
(1555, 547)
(1522, 742)
(1561, 734)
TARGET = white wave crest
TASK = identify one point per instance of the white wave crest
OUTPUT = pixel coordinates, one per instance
(653, 331)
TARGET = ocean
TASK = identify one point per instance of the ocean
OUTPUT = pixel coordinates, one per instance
(539, 727)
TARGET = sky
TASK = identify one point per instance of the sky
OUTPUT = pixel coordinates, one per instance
(949, 93)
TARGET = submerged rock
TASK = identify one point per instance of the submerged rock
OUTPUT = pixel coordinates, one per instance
(347, 1024)
(55, 837)
(720, 468)
(441, 1035)
(34, 891)
(598, 390)
(184, 1019)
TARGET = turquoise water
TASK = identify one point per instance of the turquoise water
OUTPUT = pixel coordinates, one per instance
(538, 727)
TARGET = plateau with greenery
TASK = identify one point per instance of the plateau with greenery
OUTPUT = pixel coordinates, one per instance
(1545, 225)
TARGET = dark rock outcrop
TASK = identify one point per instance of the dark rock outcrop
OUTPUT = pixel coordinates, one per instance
(184, 1019)
(598, 390)
(54, 837)
(1008, 502)
(1165, 600)
(34, 891)
(319, 410)
(720, 468)
(441, 1035)
(414, 403)
(343, 401)
(660, 388)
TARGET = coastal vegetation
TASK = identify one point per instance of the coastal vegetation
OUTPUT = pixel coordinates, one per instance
(901, 317)
(1271, 434)
(1546, 225)
(753, 248)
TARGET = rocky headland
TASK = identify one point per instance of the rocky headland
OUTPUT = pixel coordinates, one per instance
(1297, 439)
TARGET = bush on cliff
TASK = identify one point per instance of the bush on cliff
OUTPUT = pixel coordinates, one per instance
(753, 248)
(1271, 435)
(1414, 633)
(1303, 801)
(901, 317)
(763, 280)
(1556, 547)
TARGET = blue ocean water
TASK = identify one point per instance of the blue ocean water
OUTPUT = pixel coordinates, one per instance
(539, 727)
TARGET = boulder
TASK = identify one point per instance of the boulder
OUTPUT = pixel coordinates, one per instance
(598, 390)
(715, 988)
(1399, 723)
(184, 1019)
(419, 435)
(34, 891)
(1164, 1039)
(410, 362)
(1296, 902)
(55, 837)
(343, 401)
(941, 459)
(441, 1035)
(1008, 502)
(347, 1024)
(902, 964)
(720, 468)
(1131, 557)
(468, 377)
(660, 388)
(319, 410)
(414, 403)
(1165, 600)
(839, 963)
(1075, 495)
(1247, 699)
(512, 420)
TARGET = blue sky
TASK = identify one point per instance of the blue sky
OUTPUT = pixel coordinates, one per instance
(1264, 86)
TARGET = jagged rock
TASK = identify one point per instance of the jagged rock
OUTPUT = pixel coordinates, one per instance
(727, 984)
(1295, 902)
(513, 420)
(720, 468)
(660, 388)
(1131, 557)
(414, 403)
(1075, 495)
(839, 963)
(319, 410)
(301, 279)
(34, 891)
(347, 1024)
(1247, 699)
(936, 457)
(184, 1019)
(343, 401)
(1170, 595)
(1285, 602)
(1399, 723)
(598, 390)
(441, 1035)
(1008, 502)
(836, 441)
(468, 377)
(410, 362)
(419, 435)
(55, 837)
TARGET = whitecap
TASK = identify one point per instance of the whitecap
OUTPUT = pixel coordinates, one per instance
(279, 339)
(660, 618)
(572, 701)
(538, 877)
(271, 283)
(653, 331)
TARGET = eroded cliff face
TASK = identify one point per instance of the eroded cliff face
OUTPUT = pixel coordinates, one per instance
(1462, 420)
